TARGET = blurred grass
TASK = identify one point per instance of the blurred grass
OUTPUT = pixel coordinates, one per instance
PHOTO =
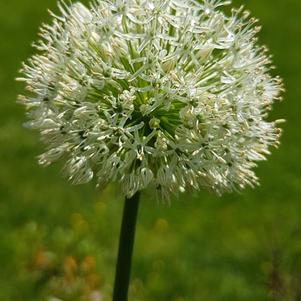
(239, 247)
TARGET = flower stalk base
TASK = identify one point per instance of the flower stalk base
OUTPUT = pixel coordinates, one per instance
(126, 243)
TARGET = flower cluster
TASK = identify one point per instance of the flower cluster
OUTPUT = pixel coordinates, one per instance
(172, 94)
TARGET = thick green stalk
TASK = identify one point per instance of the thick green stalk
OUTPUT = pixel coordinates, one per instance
(126, 242)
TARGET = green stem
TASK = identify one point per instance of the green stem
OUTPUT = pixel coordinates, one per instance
(126, 242)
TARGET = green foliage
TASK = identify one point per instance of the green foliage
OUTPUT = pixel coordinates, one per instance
(61, 241)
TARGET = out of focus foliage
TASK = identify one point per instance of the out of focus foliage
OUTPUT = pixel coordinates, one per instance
(59, 242)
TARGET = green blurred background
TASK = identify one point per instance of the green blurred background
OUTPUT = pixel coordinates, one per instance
(59, 242)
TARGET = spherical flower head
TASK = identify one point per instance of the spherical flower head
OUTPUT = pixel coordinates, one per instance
(172, 94)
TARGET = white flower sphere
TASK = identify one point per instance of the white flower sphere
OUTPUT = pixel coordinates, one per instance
(172, 94)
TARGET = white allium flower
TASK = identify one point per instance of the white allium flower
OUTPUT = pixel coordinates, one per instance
(172, 94)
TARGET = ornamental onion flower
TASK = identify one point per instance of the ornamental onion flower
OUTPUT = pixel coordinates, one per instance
(170, 94)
